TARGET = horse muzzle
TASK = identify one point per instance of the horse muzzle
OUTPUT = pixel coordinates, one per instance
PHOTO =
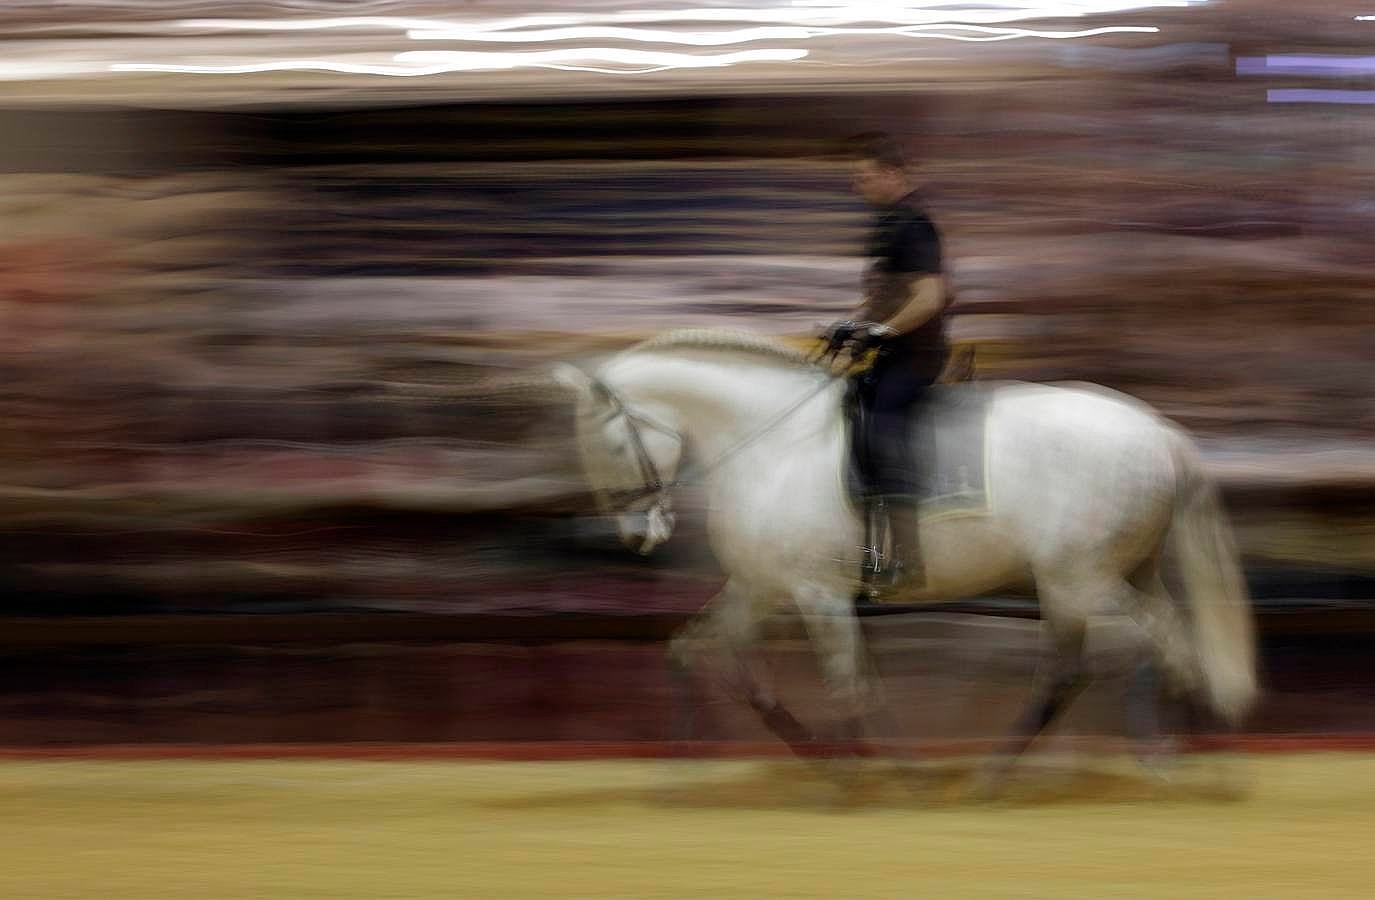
(642, 532)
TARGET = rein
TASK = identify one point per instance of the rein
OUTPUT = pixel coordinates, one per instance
(653, 482)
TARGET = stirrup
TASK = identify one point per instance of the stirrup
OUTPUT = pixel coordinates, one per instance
(884, 575)
(874, 563)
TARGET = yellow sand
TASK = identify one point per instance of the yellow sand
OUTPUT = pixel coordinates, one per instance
(1302, 827)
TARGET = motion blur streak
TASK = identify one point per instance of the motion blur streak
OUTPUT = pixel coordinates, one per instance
(441, 62)
(1315, 95)
(1331, 66)
(799, 15)
(932, 31)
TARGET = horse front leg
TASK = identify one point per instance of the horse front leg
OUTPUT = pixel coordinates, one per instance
(730, 623)
(830, 620)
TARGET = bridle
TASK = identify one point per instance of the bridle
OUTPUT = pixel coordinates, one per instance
(652, 483)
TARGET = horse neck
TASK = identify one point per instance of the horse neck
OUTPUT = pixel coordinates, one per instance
(719, 401)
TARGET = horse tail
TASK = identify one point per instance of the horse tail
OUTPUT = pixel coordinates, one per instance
(1223, 624)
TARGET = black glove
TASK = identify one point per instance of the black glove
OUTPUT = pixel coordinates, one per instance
(839, 334)
(868, 335)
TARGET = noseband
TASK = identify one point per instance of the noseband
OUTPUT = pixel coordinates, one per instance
(652, 482)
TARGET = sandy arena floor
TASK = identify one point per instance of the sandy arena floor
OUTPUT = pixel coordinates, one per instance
(1265, 826)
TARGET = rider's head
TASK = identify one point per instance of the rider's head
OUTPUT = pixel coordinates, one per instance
(882, 173)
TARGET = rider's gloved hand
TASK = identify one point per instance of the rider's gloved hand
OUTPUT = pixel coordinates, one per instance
(870, 334)
(839, 334)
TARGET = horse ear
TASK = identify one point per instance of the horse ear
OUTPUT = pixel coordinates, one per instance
(573, 378)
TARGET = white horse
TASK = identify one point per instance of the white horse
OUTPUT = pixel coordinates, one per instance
(1085, 487)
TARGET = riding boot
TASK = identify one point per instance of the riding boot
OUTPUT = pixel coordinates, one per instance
(907, 569)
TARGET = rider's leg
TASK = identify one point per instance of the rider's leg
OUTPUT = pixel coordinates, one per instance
(899, 391)
(908, 565)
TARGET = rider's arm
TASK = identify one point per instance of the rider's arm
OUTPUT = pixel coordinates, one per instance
(917, 261)
(925, 299)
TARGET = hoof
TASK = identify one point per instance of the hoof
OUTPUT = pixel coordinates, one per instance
(990, 782)
(1159, 758)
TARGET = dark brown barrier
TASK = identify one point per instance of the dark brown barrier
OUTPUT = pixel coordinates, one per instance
(324, 628)
(332, 678)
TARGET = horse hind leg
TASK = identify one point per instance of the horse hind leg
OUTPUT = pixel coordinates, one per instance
(1142, 596)
(1143, 723)
(1058, 682)
(1147, 601)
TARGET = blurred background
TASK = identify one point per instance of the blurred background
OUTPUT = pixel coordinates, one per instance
(277, 281)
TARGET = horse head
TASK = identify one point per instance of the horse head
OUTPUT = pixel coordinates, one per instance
(630, 456)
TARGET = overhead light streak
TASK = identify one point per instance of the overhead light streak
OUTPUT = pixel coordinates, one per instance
(615, 33)
(392, 23)
(748, 35)
(1046, 10)
(836, 17)
(813, 13)
(419, 63)
(574, 58)
(38, 70)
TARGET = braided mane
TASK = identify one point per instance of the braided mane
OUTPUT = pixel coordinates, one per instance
(744, 342)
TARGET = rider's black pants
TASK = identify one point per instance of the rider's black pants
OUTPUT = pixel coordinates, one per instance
(895, 390)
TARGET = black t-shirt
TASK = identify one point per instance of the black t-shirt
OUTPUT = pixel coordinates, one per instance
(903, 246)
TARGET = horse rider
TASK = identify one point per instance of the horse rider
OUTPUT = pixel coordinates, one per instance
(903, 316)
